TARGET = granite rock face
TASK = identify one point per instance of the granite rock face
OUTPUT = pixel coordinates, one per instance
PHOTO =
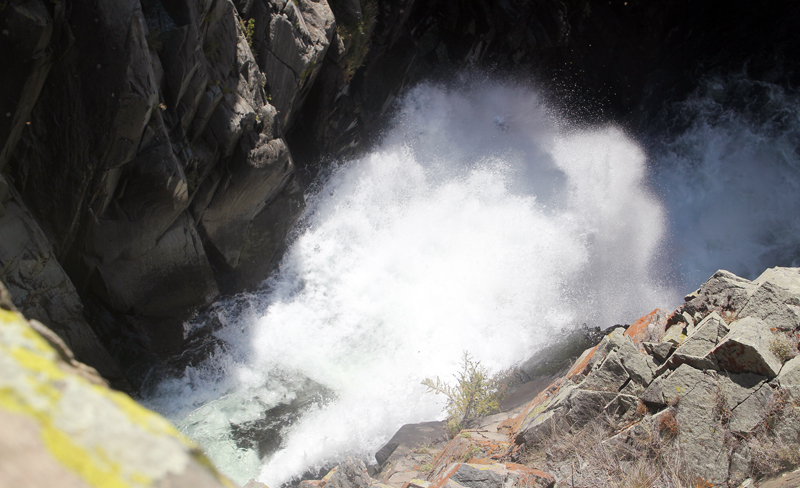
(145, 148)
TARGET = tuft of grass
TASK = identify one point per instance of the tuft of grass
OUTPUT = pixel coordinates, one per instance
(721, 409)
(668, 425)
(590, 458)
(641, 409)
(472, 452)
(782, 347)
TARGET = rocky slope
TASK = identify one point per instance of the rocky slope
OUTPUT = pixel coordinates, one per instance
(708, 395)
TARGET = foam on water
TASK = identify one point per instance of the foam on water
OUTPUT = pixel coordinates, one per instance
(480, 224)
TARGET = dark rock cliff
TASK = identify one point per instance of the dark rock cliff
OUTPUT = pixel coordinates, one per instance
(144, 160)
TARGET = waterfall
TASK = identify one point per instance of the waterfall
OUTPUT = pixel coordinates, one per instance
(483, 222)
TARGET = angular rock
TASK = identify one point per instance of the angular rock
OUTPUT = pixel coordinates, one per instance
(291, 47)
(723, 292)
(542, 427)
(748, 414)
(747, 349)
(611, 342)
(659, 351)
(610, 375)
(696, 348)
(648, 328)
(407, 438)
(175, 274)
(675, 334)
(777, 299)
(254, 202)
(352, 473)
(789, 377)
(583, 406)
(678, 383)
(639, 366)
(701, 434)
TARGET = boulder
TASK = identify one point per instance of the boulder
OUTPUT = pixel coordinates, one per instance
(723, 292)
(659, 351)
(675, 334)
(610, 375)
(648, 328)
(747, 349)
(61, 429)
(583, 406)
(352, 473)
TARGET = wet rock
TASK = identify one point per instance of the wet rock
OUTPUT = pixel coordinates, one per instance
(747, 349)
(352, 473)
(409, 437)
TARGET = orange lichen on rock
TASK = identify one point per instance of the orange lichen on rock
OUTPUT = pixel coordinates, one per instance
(638, 329)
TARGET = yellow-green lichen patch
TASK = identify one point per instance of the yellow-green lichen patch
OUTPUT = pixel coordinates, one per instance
(103, 436)
(80, 461)
(148, 420)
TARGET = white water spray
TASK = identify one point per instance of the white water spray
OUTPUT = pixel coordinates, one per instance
(731, 180)
(477, 225)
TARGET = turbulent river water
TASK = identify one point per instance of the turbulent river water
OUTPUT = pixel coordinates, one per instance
(484, 222)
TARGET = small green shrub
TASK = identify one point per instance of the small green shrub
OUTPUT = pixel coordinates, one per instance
(471, 453)
(356, 37)
(249, 28)
(474, 395)
(425, 468)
